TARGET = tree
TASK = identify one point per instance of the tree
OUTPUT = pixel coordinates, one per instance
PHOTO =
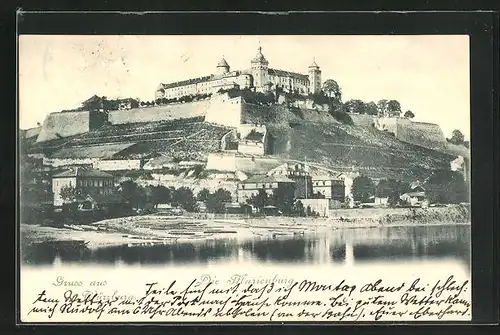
(260, 200)
(382, 107)
(283, 199)
(371, 108)
(134, 194)
(203, 195)
(309, 211)
(445, 186)
(129, 190)
(409, 114)
(392, 189)
(355, 106)
(160, 194)
(184, 197)
(363, 188)
(215, 201)
(394, 108)
(70, 194)
(332, 89)
(298, 208)
(134, 103)
(457, 137)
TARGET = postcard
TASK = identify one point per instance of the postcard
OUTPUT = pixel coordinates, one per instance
(244, 178)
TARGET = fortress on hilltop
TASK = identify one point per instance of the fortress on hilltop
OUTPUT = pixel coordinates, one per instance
(259, 76)
(203, 115)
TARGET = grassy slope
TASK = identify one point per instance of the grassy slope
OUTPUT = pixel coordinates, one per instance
(323, 140)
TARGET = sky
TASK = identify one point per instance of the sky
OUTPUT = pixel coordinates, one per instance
(427, 74)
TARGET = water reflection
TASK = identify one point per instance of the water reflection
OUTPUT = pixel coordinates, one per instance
(346, 246)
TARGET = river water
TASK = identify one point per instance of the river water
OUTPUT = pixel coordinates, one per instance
(443, 244)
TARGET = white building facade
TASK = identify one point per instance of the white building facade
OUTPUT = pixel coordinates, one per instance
(259, 77)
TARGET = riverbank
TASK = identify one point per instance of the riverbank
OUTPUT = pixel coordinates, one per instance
(157, 229)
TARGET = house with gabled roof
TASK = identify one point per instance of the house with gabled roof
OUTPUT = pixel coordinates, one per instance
(84, 180)
(269, 184)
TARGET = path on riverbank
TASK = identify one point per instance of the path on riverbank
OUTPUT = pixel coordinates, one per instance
(157, 229)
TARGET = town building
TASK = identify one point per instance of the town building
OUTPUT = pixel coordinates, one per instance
(259, 76)
(86, 181)
(270, 184)
(415, 199)
(252, 139)
(300, 174)
(104, 157)
(112, 203)
(330, 187)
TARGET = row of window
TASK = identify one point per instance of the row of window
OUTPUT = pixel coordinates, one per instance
(289, 80)
(190, 88)
(318, 183)
(267, 185)
(95, 183)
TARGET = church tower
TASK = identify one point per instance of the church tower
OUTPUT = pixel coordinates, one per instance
(222, 67)
(260, 71)
(314, 78)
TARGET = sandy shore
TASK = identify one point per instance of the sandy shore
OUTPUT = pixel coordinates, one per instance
(155, 229)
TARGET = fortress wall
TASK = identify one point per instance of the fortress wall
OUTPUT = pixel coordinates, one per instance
(221, 162)
(117, 164)
(251, 148)
(224, 110)
(245, 129)
(427, 135)
(391, 124)
(32, 132)
(57, 162)
(362, 119)
(158, 113)
(64, 124)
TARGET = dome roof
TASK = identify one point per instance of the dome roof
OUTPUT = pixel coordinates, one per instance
(259, 57)
(223, 63)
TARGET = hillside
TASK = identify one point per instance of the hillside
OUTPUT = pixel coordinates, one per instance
(294, 134)
(321, 139)
(182, 139)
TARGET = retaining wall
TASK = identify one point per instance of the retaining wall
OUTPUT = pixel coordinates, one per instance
(159, 113)
(362, 119)
(224, 110)
(64, 124)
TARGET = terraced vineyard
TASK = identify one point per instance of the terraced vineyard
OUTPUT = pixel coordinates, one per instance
(179, 139)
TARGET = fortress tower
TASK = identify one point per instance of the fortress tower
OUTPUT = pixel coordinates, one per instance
(222, 67)
(259, 71)
(314, 77)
